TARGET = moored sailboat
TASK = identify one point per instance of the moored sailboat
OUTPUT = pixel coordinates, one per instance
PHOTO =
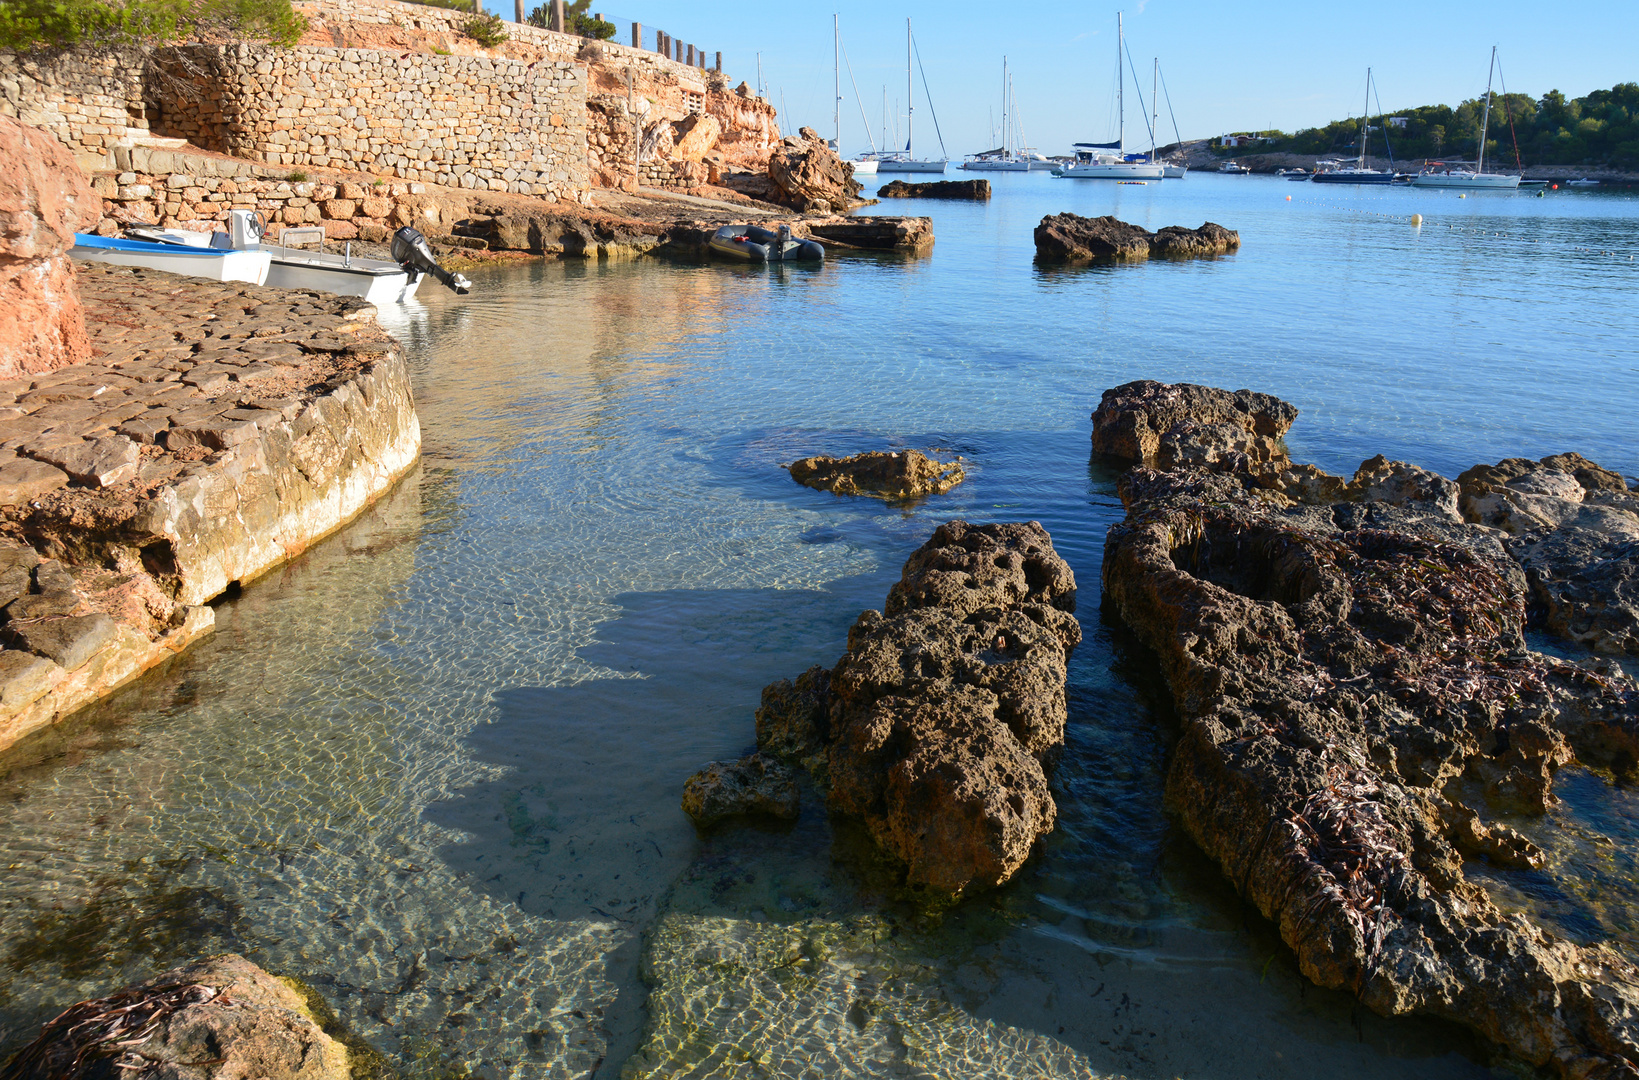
(1093, 160)
(906, 161)
(1359, 172)
(1457, 174)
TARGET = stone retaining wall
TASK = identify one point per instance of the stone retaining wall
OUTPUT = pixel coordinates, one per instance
(460, 121)
(89, 103)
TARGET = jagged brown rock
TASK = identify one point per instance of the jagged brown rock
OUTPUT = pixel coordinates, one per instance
(882, 474)
(978, 190)
(1357, 705)
(217, 1019)
(934, 728)
(809, 176)
(756, 784)
(1073, 238)
(1132, 418)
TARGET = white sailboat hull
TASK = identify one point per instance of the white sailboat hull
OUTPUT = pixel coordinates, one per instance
(1120, 170)
(911, 166)
(864, 168)
(1043, 166)
(996, 166)
(1468, 180)
(1175, 172)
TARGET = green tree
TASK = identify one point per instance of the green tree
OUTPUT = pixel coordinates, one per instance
(54, 25)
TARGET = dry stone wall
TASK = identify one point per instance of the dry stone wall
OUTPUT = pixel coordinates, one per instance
(461, 121)
(90, 103)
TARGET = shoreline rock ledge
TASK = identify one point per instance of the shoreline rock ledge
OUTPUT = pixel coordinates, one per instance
(1073, 238)
(1359, 712)
(937, 726)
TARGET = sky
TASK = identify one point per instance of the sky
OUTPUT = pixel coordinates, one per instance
(1228, 66)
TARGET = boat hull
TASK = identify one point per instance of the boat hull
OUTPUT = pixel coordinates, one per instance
(1118, 171)
(1175, 172)
(996, 166)
(864, 168)
(250, 267)
(911, 166)
(1467, 181)
(747, 243)
(1352, 178)
(375, 284)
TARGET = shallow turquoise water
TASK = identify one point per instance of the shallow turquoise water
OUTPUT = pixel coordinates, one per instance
(433, 767)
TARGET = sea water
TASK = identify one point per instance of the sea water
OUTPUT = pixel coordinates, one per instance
(432, 767)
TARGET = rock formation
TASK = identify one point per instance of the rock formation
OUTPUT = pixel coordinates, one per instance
(1358, 706)
(1072, 238)
(940, 189)
(756, 784)
(935, 726)
(890, 474)
(808, 175)
(44, 201)
(217, 1019)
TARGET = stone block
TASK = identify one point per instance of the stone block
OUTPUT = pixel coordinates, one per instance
(96, 463)
(340, 209)
(69, 641)
(51, 604)
(216, 434)
(22, 479)
(25, 678)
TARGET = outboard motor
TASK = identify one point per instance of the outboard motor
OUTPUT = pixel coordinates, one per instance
(413, 253)
(784, 238)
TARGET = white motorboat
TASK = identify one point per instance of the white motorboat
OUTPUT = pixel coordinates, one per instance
(906, 161)
(213, 263)
(1583, 182)
(864, 166)
(377, 281)
(1110, 161)
(1234, 168)
(1457, 174)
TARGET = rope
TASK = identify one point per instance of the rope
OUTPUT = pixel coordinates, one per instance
(1140, 92)
(857, 101)
(1509, 112)
(1385, 125)
(929, 96)
(1176, 136)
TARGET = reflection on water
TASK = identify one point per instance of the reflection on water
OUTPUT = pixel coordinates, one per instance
(434, 766)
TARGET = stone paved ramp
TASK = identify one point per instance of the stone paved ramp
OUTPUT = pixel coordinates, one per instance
(219, 430)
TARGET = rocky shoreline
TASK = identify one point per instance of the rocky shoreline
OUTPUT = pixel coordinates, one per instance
(219, 430)
(1359, 706)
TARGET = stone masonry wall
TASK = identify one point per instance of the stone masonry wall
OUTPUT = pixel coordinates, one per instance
(461, 121)
(88, 103)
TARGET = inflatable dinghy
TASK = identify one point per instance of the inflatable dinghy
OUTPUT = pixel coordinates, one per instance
(752, 244)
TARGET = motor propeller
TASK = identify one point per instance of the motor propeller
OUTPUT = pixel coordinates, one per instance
(413, 253)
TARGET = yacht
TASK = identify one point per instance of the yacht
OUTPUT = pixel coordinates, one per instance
(1458, 174)
(1012, 155)
(1234, 168)
(1359, 172)
(1095, 161)
(906, 161)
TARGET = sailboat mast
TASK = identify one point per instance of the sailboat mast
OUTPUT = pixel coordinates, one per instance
(1155, 107)
(910, 96)
(836, 79)
(1120, 89)
(1365, 120)
(1479, 165)
(1004, 106)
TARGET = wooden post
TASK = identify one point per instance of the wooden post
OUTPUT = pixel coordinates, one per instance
(637, 35)
(691, 56)
(719, 62)
(556, 20)
(519, 5)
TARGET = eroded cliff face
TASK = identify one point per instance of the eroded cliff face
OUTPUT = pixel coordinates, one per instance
(1359, 711)
(44, 201)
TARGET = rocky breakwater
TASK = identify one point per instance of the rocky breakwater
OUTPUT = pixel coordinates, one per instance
(937, 726)
(882, 474)
(1359, 710)
(219, 430)
(1072, 238)
(44, 201)
(218, 1019)
(977, 190)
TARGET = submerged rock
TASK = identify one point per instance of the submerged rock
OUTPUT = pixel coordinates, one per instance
(217, 1019)
(1073, 238)
(978, 190)
(1357, 706)
(935, 726)
(756, 784)
(883, 474)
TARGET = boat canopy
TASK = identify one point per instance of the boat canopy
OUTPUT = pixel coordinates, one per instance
(1098, 145)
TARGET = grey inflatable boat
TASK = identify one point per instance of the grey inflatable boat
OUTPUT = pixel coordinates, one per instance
(752, 244)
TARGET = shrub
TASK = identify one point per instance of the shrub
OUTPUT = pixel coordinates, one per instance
(487, 30)
(51, 25)
(576, 21)
(297, 177)
(452, 5)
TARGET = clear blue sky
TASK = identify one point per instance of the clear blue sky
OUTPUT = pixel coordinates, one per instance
(1228, 66)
